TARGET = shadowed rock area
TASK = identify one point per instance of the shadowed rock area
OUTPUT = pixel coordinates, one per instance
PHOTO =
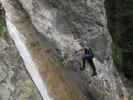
(119, 14)
(120, 27)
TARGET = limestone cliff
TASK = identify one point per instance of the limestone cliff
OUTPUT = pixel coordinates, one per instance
(15, 82)
(65, 26)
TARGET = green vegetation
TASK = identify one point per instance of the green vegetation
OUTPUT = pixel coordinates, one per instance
(120, 24)
(117, 55)
(2, 27)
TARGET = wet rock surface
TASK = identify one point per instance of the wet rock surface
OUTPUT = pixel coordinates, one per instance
(15, 82)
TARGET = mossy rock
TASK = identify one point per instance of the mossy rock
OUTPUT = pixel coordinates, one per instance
(117, 55)
(120, 24)
(3, 29)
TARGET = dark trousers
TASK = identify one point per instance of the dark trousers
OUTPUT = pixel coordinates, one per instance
(90, 61)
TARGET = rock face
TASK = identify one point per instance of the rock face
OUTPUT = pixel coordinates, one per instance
(66, 21)
(120, 26)
(53, 83)
(15, 82)
(66, 26)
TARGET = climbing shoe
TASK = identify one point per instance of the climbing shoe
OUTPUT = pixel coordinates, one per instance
(94, 74)
(82, 68)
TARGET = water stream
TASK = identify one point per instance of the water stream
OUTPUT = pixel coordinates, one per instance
(29, 64)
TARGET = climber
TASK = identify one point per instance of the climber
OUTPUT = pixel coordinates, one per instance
(87, 55)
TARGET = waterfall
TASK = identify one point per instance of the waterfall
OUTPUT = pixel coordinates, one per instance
(30, 65)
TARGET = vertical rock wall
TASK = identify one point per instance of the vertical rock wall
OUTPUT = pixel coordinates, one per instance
(120, 25)
(15, 82)
(70, 24)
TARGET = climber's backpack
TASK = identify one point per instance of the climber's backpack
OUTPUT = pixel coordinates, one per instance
(91, 52)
